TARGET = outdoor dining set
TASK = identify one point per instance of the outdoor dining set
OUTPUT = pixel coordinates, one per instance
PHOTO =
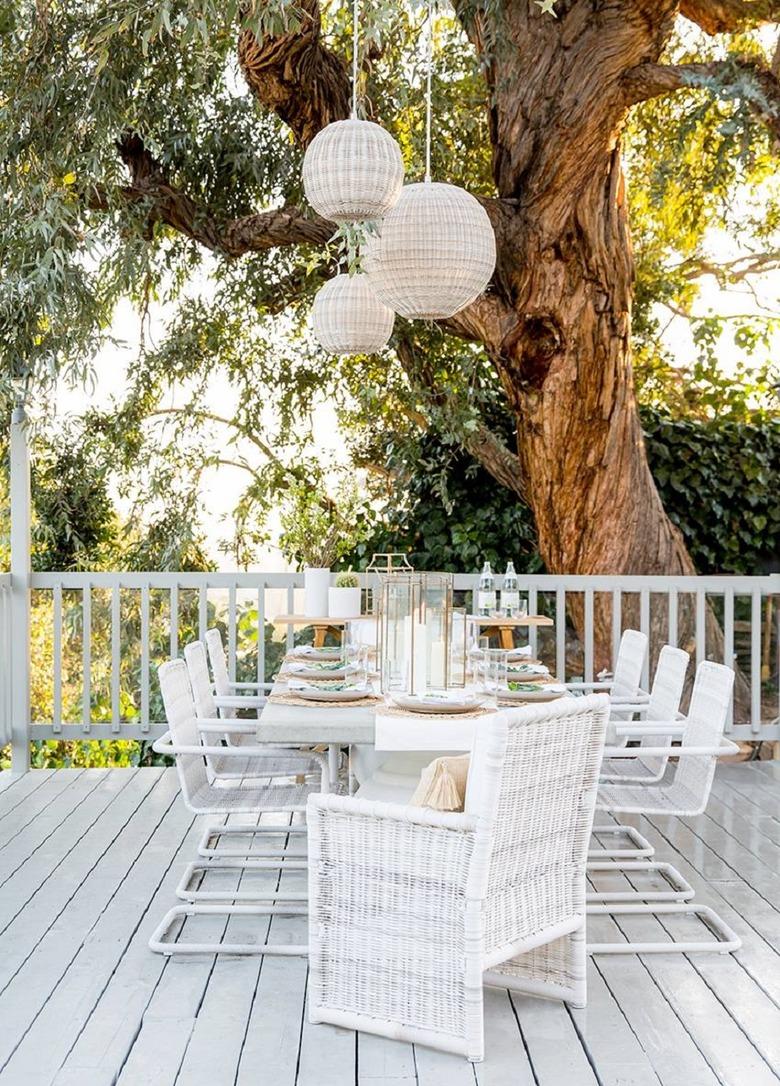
(431, 811)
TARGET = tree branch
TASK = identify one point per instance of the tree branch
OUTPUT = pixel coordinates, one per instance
(729, 78)
(729, 16)
(294, 75)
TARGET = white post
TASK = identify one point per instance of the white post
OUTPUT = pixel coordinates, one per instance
(20, 592)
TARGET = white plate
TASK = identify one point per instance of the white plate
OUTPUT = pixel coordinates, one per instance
(322, 656)
(533, 671)
(427, 704)
(316, 693)
(319, 673)
(550, 694)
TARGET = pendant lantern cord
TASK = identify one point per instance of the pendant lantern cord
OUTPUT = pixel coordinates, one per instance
(429, 67)
(354, 58)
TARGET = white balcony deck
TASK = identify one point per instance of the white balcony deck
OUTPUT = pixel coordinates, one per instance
(88, 863)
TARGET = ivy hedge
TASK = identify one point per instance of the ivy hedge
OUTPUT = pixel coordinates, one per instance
(719, 480)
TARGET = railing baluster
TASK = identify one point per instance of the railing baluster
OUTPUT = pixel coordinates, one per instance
(174, 631)
(57, 657)
(588, 635)
(232, 638)
(755, 661)
(86, 657)
(203, 611)
(728, 644)
(116, 658)
(672, 635)
(533, 639)
(644, 626)
(701, 627)
(617, 623)
(145, 658)
(261, 633)
(560, 634)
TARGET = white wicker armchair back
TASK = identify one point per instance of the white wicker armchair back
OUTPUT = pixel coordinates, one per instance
(705, 725)
(628, 669)
(198, 671)
(535, 775)
(219, 667)
(180, 714)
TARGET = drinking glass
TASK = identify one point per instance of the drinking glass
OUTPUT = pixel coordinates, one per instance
(495, 665)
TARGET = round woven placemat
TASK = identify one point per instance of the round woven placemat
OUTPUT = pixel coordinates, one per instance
(395, 710)
(371, 700)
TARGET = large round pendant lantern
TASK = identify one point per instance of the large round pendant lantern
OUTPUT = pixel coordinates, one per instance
(352, 170)
(348, 318)
(435, 254)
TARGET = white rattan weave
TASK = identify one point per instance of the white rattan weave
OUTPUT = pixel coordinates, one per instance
(663, 704)
(353, 170)
(689, 788)
(348, 318)
(411, 909)
(435, 254)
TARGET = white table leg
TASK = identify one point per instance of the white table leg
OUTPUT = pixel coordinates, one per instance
(334, 750)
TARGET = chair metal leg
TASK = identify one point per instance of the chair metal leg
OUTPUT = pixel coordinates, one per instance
(641, 847)
(208, 846)
(679, 889)
(160, 945)
(726, 941)
(187, 892)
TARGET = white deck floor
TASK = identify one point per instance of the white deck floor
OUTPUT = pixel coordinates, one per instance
(88, 863)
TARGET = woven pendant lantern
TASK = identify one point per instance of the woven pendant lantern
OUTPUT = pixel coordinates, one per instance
(348, 318)
(436, 251)
(435, 254)
(353, 170)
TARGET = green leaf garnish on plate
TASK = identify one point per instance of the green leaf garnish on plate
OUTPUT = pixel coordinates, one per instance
(527, 688)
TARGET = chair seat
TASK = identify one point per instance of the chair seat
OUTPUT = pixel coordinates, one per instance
(631, 769)
(673, 799)
(292, 765)
(384, 791)
(210, 799)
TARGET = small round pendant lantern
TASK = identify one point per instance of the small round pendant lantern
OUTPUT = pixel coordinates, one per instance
(348, 318)
(353, 169)
(436, 251)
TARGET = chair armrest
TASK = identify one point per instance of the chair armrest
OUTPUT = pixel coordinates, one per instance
(164, 745)
(250, 686)
(636, 729)
(421, 816)
(223, 727)
(239, 701)
(726, 748)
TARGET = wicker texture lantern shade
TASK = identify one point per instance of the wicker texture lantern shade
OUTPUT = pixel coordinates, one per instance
(436, 252)
(352, 170)
(348, 318)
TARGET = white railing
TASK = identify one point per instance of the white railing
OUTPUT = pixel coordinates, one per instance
(98, 637)
(5, 658)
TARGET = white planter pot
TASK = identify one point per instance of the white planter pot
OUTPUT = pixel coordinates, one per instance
(343, 602)
(315, 598)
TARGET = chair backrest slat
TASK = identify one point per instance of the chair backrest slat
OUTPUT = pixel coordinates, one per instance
(668, 684)
(705, 724)
(628, 669)
(180, 714)
(219, 666)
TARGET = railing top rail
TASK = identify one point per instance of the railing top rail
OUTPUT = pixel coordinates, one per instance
(769, 583)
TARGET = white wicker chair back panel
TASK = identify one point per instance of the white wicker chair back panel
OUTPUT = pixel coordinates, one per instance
(665, 697)
(706, 722)
(628, 668)
(198, 671)
(541, 796)
(180, 714)
(219, 667)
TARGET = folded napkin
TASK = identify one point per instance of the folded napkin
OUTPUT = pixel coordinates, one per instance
(337, 684)
(528, 669)
(309, 650)
(324, 667)
(443, 784)
(524, 651)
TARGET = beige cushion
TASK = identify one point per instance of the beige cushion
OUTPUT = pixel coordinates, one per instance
(443, 784)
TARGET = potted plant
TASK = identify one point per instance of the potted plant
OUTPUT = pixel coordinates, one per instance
(344, 596)
(317, 531)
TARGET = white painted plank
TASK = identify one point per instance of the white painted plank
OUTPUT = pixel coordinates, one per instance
(30, 809)
(40, 945)
(7, 778)
(555, 1050)
(764, 823)
(24, 784)
(56, 851)
(112, 900)
(436, 1068)
(506, 1060)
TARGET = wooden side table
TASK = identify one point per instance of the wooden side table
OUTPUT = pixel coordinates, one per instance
(503, 628)
(321, 625)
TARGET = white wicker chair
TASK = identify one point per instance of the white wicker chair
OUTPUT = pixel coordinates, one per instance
(684, 795)
(413, 910)
(202, 795)
(251, 695)
(624, 686)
